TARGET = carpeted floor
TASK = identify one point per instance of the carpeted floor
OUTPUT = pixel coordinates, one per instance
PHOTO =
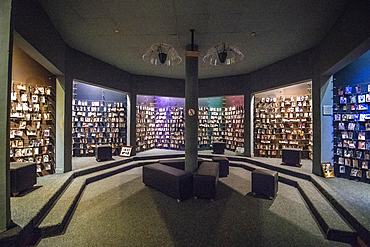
(122, 211)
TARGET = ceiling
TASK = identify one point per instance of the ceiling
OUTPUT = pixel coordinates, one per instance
(119, 32)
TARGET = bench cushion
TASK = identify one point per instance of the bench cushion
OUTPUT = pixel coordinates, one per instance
(177, 163)
(265, 183)
(23, 176)
(205, 180)
(169, 180)
(224, 165)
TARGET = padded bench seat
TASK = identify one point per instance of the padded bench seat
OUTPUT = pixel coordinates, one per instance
(205, 180)
(174, 182)
(224, 165)
(22, 176)
(265, 183)
(177, 163)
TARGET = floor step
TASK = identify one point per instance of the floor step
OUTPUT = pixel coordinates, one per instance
(331, 222)
(58, 217)
(55, 220)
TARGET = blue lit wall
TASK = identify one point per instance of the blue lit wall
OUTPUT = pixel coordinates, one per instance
(357, 72)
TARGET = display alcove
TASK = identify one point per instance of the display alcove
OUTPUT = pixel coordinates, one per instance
(99, 116)
(283, 121)
(160, 122)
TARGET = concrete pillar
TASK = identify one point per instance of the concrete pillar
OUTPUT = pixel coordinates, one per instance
(317, 81)
(132, 122)
(191, 108)
(68, 94)
(247, 125)
(59, 124)
(5, 79)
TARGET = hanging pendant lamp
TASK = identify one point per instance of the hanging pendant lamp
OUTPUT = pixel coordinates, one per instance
(162, 53)
(223, 54)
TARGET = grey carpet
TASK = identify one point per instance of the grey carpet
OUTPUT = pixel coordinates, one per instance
(121, 211)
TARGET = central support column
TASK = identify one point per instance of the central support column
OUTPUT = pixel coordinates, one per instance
(191, 108)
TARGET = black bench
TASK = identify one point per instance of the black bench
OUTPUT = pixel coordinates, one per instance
(177, 163)
(22, 176)
(265, 183)
(224, 165)
(174, 182)
(205, 180)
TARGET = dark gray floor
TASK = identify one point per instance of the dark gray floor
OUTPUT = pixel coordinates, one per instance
(354, 196)
(121, 211)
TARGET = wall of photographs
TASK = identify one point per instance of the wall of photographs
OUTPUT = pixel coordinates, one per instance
(32, 125)
(98, 117)
(351, 120)
(160, 122)
(282, 122)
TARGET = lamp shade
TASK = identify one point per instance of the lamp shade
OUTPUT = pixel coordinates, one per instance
(162, 53)
(223, 54)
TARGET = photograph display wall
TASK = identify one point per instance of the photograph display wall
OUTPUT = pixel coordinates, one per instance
(32, 113)
(351, 120)
(32, 125)
(160, 122)
(98, 117)
(283, 122)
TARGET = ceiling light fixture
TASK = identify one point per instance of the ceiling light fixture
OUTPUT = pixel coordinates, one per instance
(162, 53)
(223, 54)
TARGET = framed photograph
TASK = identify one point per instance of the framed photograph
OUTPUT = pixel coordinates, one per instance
(362, 107)
(24, 97)
(359, 173)
(351, 126)
(367, 98)
(348, 90)
(341, 126)
(328, 170)
(340, 91)
(354, 172)
(13, 96)
(368, 174)
(355, 163)
(347, 162)
(352, 144)
(361, 145)
(352, 99)
(343, 100)
(367, 126)
(358, 154)
(358, 89)
(365, 165)
(344, 135)
(342, 169)
(341, 160)
(361, 99)
(125, 151)
(361, 136)
(337, 117)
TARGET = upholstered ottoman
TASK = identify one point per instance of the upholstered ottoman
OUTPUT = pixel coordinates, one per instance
(174, 182)
(22, 176)
(223, 164)
(177, 163)
(205, 180)
(265, 183)
(219, 147)
(291, 156)
(103, 152)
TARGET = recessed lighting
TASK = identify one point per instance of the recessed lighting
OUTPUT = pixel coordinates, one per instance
(116, 30)
(253, 34)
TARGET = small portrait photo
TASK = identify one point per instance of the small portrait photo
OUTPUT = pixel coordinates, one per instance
(361, 98)
(348, 90)
(343, 100)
